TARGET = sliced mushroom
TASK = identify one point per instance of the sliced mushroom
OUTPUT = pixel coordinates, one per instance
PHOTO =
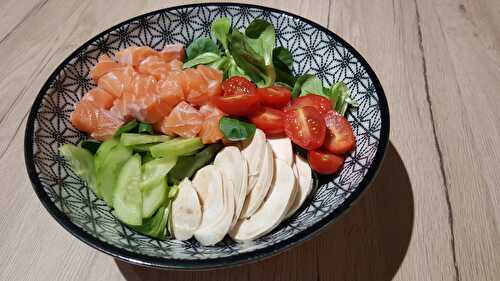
(282, 148)
(255, 198)
(253, 150)
(208, 184)
(303, 174)
(215, 231)
(186, 211)
(233, 165)
(272, 211)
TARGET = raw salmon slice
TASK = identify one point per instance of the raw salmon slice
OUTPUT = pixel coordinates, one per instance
(214, 79)
(210, 110)
(134, 55)
(169, 89)
(100, 98)
(117, 81)
(143, 102)
(194, 86)
(201, 84)
(184, 120)
(173, 52)
(156, 66)
(84, 116)
(210, 132)
(104, 65)
(107, 124)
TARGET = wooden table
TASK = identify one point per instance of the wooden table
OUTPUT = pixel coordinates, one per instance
(439, 63)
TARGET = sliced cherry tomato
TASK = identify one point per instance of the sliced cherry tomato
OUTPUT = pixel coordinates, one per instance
(321, 103)
(340, 138)
(239, 97)
(275, 96)
(305, 126)
(269, 120)
(324, 162)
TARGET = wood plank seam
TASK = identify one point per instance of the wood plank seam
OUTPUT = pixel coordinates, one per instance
(436, 143)
(29, 14)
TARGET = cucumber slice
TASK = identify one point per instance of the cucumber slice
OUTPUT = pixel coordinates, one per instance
(154, 184)
(135, 139)
(143, 147)
(168, 214)
(103, 151)
(155, 169)
(154, 195)
(82, 162)
(127, 197)
(108, 170)
(176, 147)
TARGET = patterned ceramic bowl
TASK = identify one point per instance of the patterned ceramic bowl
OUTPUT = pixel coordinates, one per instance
(315, 50)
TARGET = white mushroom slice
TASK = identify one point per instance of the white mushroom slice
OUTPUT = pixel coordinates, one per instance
(303, 174)
(208, 184)
(295, 194)
(282, 148)
(272, 210)
(234, 166)
(186, 211)
(256, 196)
(214, 232)
(253, 150)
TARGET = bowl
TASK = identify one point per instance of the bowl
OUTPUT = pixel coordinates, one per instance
(315, 50)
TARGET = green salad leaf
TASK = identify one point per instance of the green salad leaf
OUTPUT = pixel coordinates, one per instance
(200, 46)
(186, 166)
(155, 226)
(340, 97)
(312, 85)
(261, 37)
(252, 63)
(91, 145)
(205, 58)
(222, 64)
(145, 128)
(299, 82)
(283, 55)
(283, 60)
(236, 130)
(221, 29)
(127, 127)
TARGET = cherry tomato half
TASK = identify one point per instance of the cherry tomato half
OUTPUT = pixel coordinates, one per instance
(321, 103)
(305, 126)
(323, 162)
(340, 138)
(275, 96)
(269, 120)
(239, 97)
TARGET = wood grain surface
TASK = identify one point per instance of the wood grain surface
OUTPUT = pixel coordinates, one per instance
(433, 212)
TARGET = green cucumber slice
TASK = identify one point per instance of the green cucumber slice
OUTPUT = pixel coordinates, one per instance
(127, 197)
(108, 170)
(176, 147)
(82, 163)
(154, 195)
(129, 139)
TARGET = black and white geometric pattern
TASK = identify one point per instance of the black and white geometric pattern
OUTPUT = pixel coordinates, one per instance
(314, 52)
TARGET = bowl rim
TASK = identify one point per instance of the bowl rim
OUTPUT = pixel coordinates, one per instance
(220, 262)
